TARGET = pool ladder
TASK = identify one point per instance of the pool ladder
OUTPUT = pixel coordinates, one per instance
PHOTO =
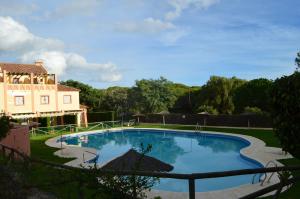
(198, 128)
(262, 181)
(83, 158)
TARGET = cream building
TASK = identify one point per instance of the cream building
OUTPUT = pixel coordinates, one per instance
(29, 91)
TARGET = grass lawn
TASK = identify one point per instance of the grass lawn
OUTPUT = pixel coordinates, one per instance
(40, 150)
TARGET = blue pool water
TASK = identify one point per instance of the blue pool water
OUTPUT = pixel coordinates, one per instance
(187, 152)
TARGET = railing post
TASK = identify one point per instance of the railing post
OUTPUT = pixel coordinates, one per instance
(191, 188)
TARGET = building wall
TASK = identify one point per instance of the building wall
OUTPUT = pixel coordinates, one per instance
(45, 107)
(17, 90)
(32, 100)
(75, 100)
(18, 138)
(1, 97)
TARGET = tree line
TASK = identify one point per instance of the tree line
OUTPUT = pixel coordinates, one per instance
(220, 95)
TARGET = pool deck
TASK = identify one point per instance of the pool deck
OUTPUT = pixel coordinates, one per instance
(257, 150)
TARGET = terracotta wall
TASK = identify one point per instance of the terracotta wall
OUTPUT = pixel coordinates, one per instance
(18, 138)
(74, 105)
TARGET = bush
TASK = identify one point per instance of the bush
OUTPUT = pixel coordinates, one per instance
(253, 110)
(45, 121)
(4, 126)
(286, 112)
(208, 109)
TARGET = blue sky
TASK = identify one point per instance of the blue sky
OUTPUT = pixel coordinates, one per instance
(115, 42)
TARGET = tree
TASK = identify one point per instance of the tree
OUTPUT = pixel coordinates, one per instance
(186, 97)
(255, 93)
(297, 60)
(153, 95)
(116, 99)
(218, 91)
(4, 126)
(286, 112)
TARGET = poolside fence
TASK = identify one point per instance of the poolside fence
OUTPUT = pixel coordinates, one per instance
(261, 121)
(73, 128)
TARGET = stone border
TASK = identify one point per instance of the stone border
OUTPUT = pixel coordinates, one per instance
(257, 151)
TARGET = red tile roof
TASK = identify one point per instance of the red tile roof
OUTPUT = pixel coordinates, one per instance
(66, 88)
(23, 68)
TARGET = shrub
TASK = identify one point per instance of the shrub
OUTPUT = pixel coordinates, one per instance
(4, 126)
(208, 109)
(286, 112)
(254, 110)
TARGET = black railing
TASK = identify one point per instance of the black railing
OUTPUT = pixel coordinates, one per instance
(12, 153)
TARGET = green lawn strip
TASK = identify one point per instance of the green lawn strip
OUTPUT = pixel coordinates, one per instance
(41, 151)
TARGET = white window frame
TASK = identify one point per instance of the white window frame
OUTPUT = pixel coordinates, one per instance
(43, 102)
(17, 101)
(69, 101)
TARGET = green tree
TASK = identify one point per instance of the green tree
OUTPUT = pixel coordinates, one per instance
(153, 95)
(297, 60)
(218, 92)
(186, 97)
(286, 109)
(255, 93)
(116, 99)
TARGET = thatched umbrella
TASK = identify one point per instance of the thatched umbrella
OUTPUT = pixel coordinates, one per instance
(132, 160)
(203, 113)
(204, 118)
(164, 113)
(138, 115)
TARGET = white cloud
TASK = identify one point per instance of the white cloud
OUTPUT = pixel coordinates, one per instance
(55, 61)
(180, 5)
(148, 25)
(172, 37)
(16, 38)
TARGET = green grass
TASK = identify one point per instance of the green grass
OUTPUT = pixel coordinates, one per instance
(40, 150)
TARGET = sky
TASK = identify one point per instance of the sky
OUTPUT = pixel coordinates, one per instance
(115, 42)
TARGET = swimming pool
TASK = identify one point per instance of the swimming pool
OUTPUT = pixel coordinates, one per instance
(187, 152)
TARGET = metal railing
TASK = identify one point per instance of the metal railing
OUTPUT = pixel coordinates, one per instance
(72, 128)
(12, 153)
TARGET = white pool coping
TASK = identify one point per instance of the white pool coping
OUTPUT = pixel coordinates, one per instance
(257, 150)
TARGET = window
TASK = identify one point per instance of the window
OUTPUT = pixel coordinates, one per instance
(15, 80)
(19, 100)
(67, 99)
(45, 99)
